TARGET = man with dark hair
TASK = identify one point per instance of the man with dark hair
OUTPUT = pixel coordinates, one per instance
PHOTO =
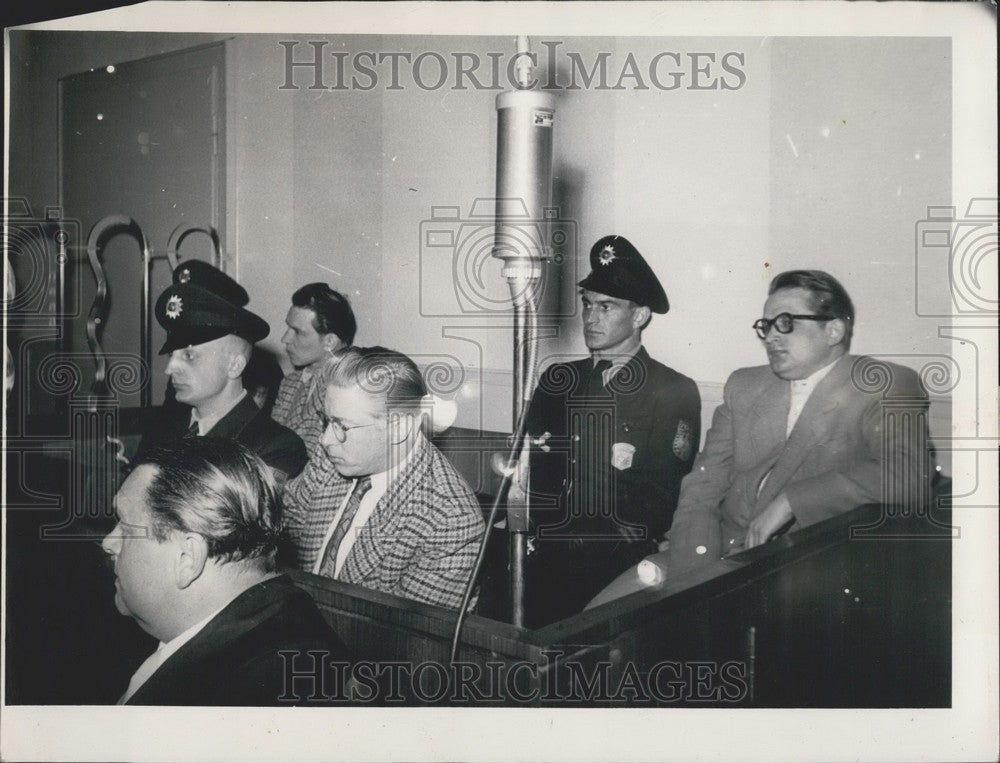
(379, 505)
(320, 322)
(209, 340)
(623, 429)
(194, 560)
(802, 439)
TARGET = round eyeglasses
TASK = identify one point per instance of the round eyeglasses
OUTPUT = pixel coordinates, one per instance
(784, 323)
(339, 430)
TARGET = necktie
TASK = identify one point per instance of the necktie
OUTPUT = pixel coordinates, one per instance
(329, 566)
(192, 431)
(595, 384)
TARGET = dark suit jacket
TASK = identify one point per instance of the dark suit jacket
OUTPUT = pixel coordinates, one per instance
(604, 511)
(837, 457)
(235, 660)
(279, 447)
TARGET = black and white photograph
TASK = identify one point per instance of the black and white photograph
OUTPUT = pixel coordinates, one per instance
(501, 381)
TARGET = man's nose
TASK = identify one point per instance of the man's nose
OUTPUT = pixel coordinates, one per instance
(327, 438)
(171, 367)
(112, 541)
(589, 316)
(287, 337)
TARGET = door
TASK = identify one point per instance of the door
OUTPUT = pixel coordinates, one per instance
(143, 139)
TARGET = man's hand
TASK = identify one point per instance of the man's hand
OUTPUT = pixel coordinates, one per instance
(769, 521)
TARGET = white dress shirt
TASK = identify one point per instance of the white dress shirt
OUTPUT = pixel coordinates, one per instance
(800, 390)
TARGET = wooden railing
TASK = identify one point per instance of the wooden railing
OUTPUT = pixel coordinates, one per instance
(819, 618)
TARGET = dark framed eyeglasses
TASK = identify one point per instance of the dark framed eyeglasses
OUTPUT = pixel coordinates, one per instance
(784, 323)
(339, 430)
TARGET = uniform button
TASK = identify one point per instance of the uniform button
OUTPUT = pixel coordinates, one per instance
(576, 438)
(701, 550)
(626, 427)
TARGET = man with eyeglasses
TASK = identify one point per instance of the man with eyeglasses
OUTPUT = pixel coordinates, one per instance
(378, 505)
(802, 439)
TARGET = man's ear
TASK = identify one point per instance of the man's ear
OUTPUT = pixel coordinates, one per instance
(237, 362)
(331, 342)
(401, 425)
(191, 558)
(835, 331)
(640, 317)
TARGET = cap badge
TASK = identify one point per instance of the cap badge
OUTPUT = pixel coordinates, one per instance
(184, 276)
(607, 255)
(174, 306)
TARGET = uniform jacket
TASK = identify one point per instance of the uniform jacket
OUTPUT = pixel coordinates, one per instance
(836, 458)
(235, 660)
(279, 447)
(647, 407)
(607, 488)
(420, 542)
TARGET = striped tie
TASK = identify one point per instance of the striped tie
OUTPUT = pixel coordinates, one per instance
(192, 431)
(329, 566)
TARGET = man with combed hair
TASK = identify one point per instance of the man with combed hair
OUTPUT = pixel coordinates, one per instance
(379, 505)
(194, 560)
(209, 340)
(801, 439)
(320, 322)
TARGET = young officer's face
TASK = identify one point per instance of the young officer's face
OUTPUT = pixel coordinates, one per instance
(609, 322)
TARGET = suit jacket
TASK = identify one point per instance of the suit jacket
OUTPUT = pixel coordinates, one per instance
(279, 447)
(294, 407)
(235, 660)
(420, 542)
(609, 485)
(838, 455)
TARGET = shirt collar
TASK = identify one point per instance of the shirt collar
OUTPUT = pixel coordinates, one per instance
(807, 385)
(617, 360)
(205, 424)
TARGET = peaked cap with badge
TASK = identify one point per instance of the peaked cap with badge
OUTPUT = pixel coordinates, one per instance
(193, 315)
(618, 270)
(200, 273)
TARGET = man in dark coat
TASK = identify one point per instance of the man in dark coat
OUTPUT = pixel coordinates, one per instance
(194, 559)
(618, 432)
(209, 340)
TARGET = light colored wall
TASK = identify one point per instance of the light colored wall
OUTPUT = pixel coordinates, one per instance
(335, 186)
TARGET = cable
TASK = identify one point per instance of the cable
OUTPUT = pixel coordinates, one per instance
(514, 454)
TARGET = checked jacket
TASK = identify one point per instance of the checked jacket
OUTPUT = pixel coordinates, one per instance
(421, 540)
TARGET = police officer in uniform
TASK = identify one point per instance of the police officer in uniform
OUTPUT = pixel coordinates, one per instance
(615, 434)
(210, 341)
(262, 376)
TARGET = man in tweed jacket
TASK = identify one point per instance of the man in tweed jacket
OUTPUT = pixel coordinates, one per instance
(320, 322)
(415, 531)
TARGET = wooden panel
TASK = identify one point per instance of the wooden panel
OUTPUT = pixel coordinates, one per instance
(817, 619)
